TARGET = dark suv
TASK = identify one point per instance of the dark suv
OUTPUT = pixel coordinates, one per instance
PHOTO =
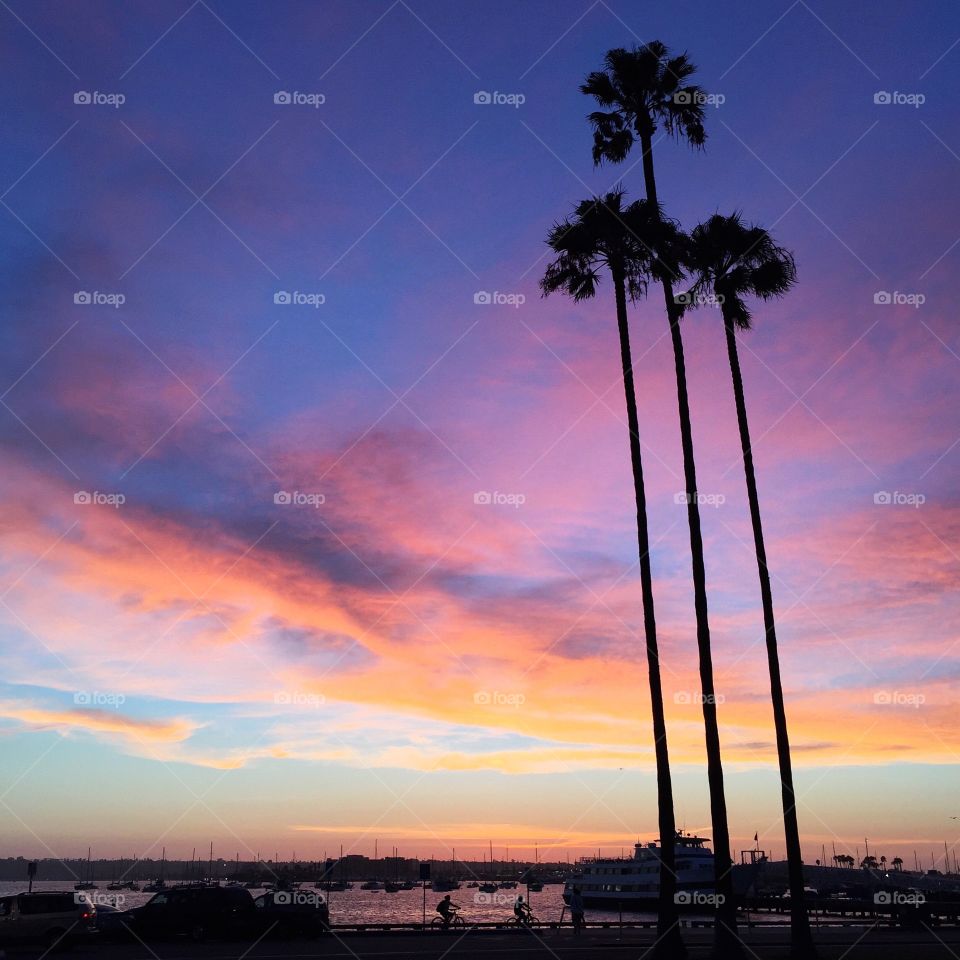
(196, 912)
(291, 913)
(55, 919)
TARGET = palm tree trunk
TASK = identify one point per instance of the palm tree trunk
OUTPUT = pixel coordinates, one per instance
(726, 942)
(669, 940)
(801, 939)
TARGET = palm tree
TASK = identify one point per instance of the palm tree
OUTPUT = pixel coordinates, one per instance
(731, 261)
(641, 90)
(603, 233)
(897, 864)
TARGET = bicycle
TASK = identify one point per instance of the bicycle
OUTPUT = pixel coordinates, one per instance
(452, 921)
(525, 920)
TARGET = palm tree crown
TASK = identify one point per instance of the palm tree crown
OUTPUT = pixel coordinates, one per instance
(641, 89)
(734, 261)
(634, 241)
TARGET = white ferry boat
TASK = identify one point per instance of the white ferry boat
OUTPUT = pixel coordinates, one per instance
(633, 883)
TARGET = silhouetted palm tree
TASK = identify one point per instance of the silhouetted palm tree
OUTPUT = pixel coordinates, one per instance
(603, 233)
(641, 90)
(732, 261)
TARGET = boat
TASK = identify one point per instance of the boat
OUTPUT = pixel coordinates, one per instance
(392, 887)
(473, 883)
(87, 884)
(634, 882)
(443, 886)
(155, 886)
(508, 885)
(488, 888)
(408, 885)
(371, 885)
(535, 886)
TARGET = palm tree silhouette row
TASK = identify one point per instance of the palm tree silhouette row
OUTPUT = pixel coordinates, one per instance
(625, 240)
(640, 91)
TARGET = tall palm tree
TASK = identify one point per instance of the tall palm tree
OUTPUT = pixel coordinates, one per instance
(641, 90)
(603, 233)
(732, 261)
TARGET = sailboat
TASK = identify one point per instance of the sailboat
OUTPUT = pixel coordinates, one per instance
(159, 884)
(88, 883)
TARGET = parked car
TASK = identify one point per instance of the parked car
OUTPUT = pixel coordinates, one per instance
(56, 919)
(195, 911)
(291, 913)
(111, 921)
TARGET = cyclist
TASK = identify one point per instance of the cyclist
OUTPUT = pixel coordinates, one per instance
(522, 911)
(447, 909)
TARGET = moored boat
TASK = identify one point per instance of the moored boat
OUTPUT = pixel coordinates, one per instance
(633, 883)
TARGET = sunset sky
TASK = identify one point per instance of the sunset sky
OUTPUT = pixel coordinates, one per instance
(383, 656)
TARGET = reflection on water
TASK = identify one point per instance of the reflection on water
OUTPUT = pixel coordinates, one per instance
(375, 906)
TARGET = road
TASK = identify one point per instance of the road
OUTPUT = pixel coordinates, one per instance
(763, 944)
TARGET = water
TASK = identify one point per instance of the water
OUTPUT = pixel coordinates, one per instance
(375, 906)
